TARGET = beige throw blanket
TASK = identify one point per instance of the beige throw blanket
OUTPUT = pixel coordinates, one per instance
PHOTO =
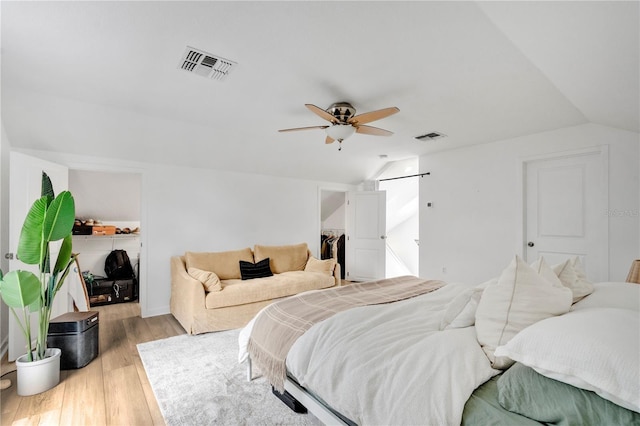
(279, 325)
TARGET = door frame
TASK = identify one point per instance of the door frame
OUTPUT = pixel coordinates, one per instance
(602, 151)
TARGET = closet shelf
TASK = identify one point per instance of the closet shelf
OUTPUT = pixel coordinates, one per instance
(106, 237)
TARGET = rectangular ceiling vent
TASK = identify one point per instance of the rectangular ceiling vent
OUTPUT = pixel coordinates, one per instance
(205, 64)
(431, 136)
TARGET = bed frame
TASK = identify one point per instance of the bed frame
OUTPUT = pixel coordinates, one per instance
(316, 407)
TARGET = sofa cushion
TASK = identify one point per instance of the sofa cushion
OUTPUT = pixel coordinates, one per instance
(238, 292)
(315, 265)
(250, 271)
(210, 280)
(283, 258)
(225, 264)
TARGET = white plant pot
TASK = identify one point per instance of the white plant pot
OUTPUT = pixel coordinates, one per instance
(38, 376)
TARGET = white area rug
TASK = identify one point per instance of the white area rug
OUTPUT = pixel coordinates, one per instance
(197, 381)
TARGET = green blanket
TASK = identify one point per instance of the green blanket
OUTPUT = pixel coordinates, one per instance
(522, 390)
(483, 409)
(522, 397)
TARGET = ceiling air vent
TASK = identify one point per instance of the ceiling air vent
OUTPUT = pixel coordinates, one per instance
(205, 64)
(430, 136)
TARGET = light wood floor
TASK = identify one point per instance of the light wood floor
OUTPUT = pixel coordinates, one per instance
(112, 390)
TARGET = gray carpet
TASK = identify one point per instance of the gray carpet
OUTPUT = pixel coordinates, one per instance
(197, 381)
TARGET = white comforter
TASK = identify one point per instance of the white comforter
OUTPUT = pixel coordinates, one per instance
(390, 364)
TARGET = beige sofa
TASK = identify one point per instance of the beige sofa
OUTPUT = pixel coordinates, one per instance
(209, 294)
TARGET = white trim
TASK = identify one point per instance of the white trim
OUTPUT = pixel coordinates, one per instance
(164, 310)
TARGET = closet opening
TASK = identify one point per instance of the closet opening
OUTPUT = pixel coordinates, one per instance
(332, 227)
(108, 208)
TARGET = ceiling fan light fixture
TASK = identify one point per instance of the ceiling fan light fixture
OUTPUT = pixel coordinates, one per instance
(340, 132)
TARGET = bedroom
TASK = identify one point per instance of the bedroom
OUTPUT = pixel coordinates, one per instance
(480, 73)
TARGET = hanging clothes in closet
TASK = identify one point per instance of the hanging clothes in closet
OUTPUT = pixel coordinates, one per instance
(332, 245)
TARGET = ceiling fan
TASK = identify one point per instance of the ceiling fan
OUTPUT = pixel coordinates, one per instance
(345, 123)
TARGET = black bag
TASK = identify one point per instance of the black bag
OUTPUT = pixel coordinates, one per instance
(117, 266)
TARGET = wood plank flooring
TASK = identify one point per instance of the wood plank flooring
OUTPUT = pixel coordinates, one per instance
(112, 390)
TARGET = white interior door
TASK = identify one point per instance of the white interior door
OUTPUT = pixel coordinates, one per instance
(25, 188)
(366, 235)
(565, 203)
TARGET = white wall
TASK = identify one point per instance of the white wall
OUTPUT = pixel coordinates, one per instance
(5, 148)
(93, 250)
(402, 240)
(106, 196)
(207, 210)
(472, 230)
(337, 219)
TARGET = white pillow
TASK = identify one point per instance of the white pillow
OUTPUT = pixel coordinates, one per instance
(521, 297)
(611, 295)
(572, 275)
(461, 311)
(596, 349)
(544, 270)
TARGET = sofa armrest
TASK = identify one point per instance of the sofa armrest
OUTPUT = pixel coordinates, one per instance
(187, 294)
(336, 271)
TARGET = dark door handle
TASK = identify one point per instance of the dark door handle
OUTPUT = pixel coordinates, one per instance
(530, 244)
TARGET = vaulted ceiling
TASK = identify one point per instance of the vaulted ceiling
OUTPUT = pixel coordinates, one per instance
(102, 78)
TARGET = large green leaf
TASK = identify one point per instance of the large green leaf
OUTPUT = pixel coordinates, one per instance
(47, 186)
(64, 255)
(30, 243)
(20, 289)
(59, 218)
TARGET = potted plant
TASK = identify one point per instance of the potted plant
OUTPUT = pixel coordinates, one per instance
(50, 219)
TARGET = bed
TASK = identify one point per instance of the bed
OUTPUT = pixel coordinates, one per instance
(567, 353)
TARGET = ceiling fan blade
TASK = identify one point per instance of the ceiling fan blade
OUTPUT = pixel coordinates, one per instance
(368, 117)
(295, 129)
(322, 113)
(370, 130)
(329, 139)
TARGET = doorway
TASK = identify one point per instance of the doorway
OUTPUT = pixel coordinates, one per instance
(333, 227)
(403, 221)
(110, 199)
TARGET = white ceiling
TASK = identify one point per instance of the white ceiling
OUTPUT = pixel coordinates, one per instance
(102, 78)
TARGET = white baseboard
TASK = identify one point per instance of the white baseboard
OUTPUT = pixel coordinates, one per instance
(146, 313)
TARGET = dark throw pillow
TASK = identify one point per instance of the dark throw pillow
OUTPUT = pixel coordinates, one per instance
(250, 270)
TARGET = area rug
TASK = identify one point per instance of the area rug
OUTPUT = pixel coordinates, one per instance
(197, 381)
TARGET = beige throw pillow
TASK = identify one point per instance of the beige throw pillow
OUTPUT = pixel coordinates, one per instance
(225, 263)
(521, 297)
(572, 276)
(209, 280)
(315, 265)
(283, 258)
